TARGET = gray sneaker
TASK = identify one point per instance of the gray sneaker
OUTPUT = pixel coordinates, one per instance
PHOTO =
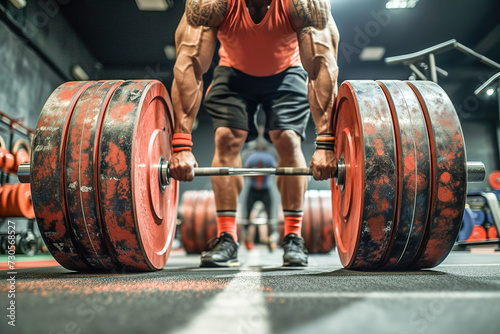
(223, 252)
(296, 253)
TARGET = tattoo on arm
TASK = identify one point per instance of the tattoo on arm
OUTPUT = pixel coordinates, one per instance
(311, 13)
(208, 13)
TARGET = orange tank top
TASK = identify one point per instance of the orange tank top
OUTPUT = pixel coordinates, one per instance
(263, 49)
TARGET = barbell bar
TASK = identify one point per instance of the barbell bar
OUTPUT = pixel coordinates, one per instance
(476, 171)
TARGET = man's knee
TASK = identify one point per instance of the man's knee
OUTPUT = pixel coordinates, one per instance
(286, 142)
(229, 141)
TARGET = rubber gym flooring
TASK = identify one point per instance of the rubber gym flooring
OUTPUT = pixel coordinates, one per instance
(460, 296)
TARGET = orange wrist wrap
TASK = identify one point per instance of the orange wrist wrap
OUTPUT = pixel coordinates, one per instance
(182, 142)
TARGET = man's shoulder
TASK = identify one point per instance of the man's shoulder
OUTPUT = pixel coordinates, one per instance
(310, 13)
(208, 13)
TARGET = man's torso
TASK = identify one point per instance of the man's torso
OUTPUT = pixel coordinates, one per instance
(258, 40)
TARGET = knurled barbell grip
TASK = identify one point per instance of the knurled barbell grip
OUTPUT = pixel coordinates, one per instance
(224, 171)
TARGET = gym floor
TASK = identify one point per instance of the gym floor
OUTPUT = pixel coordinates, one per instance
(462, 295)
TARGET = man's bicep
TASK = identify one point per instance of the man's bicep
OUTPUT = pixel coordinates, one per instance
(318, 52)
(195, 44)
(319, 47)
(208, 13)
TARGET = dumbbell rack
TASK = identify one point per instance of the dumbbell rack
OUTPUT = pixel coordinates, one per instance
(491, 203)
(9, 127)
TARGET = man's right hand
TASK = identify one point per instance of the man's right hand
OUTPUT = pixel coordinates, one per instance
(182, 166)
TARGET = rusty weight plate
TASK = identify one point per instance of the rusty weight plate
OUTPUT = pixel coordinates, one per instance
(449, 174)
(82, 153)
(139, 215)
(328, 241)
(364, 208)
(210, 221)
(47, 175)
(315, 221)
(306, 223)
(200, 220)
(188, 208)
(413, 155)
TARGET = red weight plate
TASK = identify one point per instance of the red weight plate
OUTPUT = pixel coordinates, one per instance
(200, 221)
(306, 223)
(2, 207)
(449, 174)
(210, 220)
(12, 206)
(188, 208)
(139, 215)
(3, 152)
(492, 232)
(19, 201)
(494, 180)
(9, 161)
(363, 210)
(4, 199)
(478, 234)
(47, 175)
(413, 154)
(81, 167)
(25, 202)
(315, 221)
(22, 157)
(328, 242)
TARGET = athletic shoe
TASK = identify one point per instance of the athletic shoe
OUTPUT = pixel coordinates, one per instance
(250, 245)
(295, 251)
(272, 244)
(223, 252)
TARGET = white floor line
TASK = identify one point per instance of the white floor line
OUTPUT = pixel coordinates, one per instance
(469, 265)
(239, 308)
(392, 295)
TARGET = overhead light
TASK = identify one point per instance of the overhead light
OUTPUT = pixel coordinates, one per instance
(372, 53)
(396, 4)
(79, 73)
(170, 52)
(153, 5)
(490, 91)
(19, 3)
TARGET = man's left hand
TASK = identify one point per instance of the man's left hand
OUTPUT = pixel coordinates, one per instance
(323, 164)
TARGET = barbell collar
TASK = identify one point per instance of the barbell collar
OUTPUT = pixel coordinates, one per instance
(23, 173)
(476, 171)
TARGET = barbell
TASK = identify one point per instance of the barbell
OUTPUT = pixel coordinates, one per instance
(104, 200)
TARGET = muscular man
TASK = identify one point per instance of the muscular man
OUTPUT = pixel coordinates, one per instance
(263, 45)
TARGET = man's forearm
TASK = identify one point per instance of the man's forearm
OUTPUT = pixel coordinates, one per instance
(186, 98)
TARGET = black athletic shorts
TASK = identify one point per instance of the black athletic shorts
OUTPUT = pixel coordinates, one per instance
(234, 97)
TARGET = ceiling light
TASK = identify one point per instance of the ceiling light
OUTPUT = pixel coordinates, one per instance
(169, 52)
(372, 53)
(79, 73)
(490, 91)
(391, 4)
(153, 5)
(19, 3)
